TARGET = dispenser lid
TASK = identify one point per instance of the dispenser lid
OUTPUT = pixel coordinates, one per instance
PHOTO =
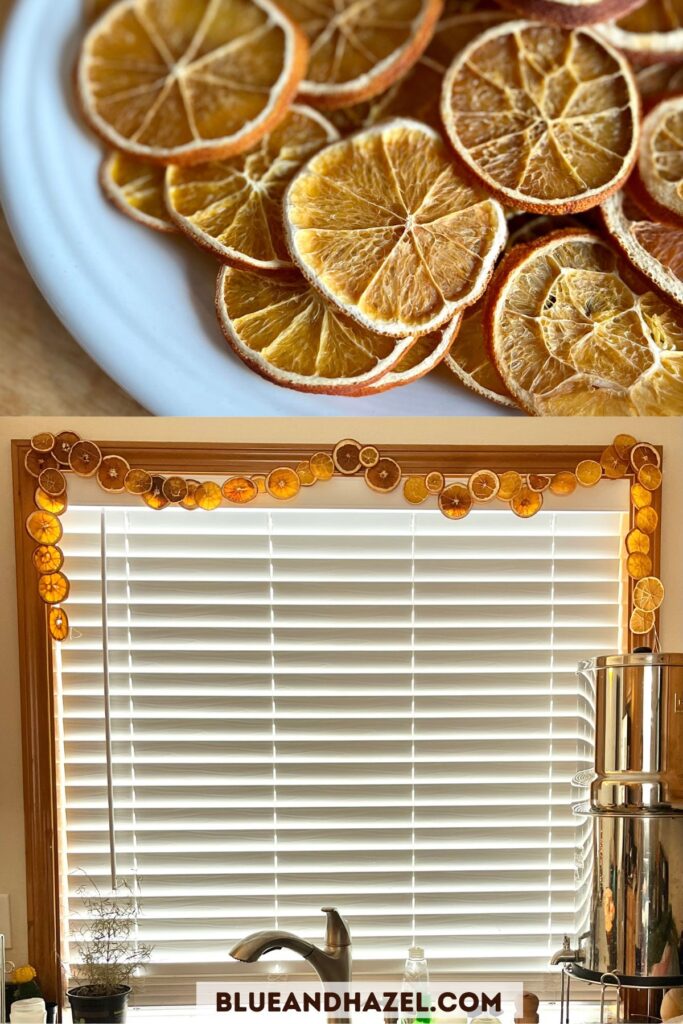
(630, 660)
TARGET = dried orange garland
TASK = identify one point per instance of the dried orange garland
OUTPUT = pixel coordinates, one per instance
(51, 458)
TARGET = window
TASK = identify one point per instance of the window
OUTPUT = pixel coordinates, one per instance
(374, 708)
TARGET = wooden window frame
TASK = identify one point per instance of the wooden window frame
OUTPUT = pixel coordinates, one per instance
(35, 645)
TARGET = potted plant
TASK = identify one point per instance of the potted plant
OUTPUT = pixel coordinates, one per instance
(108, 956)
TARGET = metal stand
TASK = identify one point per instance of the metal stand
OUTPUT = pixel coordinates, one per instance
(640, 1002)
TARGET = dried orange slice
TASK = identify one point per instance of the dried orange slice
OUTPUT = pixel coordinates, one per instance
(112, 472)
(239, 490)
(571, 336)
(52, 481)
(563, 483)
(44, 527)
(647, 519)
(136, 189)
(655, 249)
(484, 485)
(64, 442)
(640, 496)
(538, 482)
(85, 458)
(657, 81)
(47, 558)
(322, 466)
(613, 467)
(527, 503)
(49, 504)
(589, 472)
(455, 501)
(650, 477)
(511, 483)
(189, 502)
(638, 565)
(346, 456)
(306, 474)
(415, 490)
(622, 444)
(573, 13)
(469, 360)
(233, 207)
(53, 587)
(283, 483)
(288, 333)
(58, 624)
(36, 461)
(179, 83)
(208, 496)
(175, 489)
(368, 455)
(636, 540)
(644, 454)
(546, 119)
(434, 481)
(358, 49)
(384, 476)
(138, 481)
(648, 594)
(652, 32)
(43, 442)
(154, 497)
(388, 229)
(641, 622)
(658, 182)
(427, 352)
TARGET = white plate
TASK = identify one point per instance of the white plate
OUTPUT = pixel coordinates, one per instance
(140, 304)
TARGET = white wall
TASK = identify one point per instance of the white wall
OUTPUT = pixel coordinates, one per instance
(494, 431)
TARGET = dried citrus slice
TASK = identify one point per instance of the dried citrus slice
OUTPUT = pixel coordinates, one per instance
(233, 207)
(288, 333)
(64, 442)
(636, 540)
(138, 481)
(283, 483)
(571, 336)
(641, 622)
(546, 119)
(52, 481)
(588, 472)
(511, 484)
(415, 490)
(322, 466)
(175, 489)
(368, 455)
(306, 475)
(648, 594)
(622, 444)
(657, 81)
(208, 496)
(455, 501)
(652, 32)
(644, 454)
(112, 472)
(384, 476)
(650, 477)
(346, 456)
(44, 527)
(47, 558)
(655, 249)
(563, 483)
(658, 182)
(53, 587)
(358, 49)
(434, 481)
(613, 467)
(43, 442)
(136, 189)
(58, 624)
(179, 83)
(638, 565)
(484, 485)
(640, 496)
(239, 490)
(469, 360)
(538, 482)
(189, 502)
(48, 503)
(85, 458)
(386, 226)
(36, 461)
(647, 519)
(260, 482)
(154, 497)
(573, 13)
(526, 503)
(427, 352)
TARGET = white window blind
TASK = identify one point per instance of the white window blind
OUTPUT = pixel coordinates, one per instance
(373, 709)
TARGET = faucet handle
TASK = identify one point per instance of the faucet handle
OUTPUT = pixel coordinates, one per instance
(338, 932)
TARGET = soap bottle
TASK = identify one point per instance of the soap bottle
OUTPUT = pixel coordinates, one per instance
(416, 981)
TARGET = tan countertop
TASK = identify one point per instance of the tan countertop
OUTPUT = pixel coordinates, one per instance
(44, 371)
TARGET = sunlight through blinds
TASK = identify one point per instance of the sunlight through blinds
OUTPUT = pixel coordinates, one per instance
(371, 709)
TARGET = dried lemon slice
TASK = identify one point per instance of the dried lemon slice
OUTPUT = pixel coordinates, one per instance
(526, 503)
(653, 32)
(239, 490)
(653, 248)
(185, 83)
(283, 483)
(573, 13)
(136, 189)
(233, 207)
(387, 228)
(589, 472)
(658, 181)
(368, 455)
(570, 336)
(648, 594)
(641, 622)
(58, 624)
(288, 333)
(455, 501)
(471, 363)
(546, 119)
(358, 49)
(53, 587)
(420, 359)
(434, 481)
(484, 485)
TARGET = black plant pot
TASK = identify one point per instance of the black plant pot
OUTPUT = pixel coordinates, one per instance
(91, 1009)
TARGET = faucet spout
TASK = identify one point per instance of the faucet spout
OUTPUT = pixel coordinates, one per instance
(252, 948)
